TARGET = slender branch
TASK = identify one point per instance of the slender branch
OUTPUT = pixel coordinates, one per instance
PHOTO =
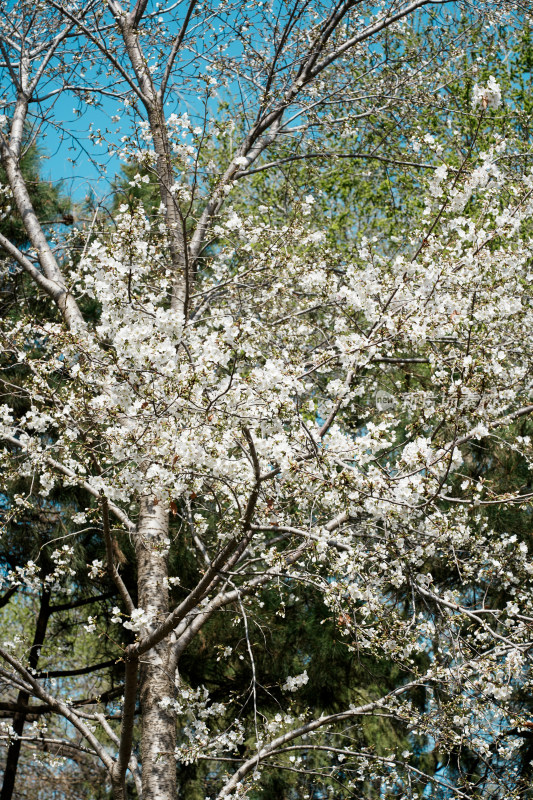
(11, 708)
(192, 625)
(103, 47)
(111, 567)
(370, 31)
(70, 673)
(309, 70)
(8, 709)
(49, 53)
(309, 727)
(387, 360)
(19, 719)
(59, 707)
(497, 423)
(309, 156)
(39, 742)
(83, 602)
(334, 411)
(253, 453)
(304, 534)
(175, 49)
(115, 510)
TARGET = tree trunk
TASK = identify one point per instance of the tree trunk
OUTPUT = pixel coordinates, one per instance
(181, 287)
(158, 735)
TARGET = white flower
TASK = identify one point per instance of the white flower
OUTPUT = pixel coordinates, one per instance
(91, 624)
(315, 238)
(489, 96)
(233, 222)
(241, 161)
(479, 431)
(417, 451)
(140, 618)
(292, 684)
(96, 568)
(438, 176)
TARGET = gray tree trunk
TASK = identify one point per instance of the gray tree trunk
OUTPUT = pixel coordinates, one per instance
(158, 734)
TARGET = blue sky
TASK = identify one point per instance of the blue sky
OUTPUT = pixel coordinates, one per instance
(68, 153)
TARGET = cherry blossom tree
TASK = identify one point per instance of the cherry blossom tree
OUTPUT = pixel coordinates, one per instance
(216, 386)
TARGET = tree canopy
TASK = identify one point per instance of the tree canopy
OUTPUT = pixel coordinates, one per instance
(266, 407)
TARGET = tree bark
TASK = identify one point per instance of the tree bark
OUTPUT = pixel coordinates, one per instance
(158, 735)
(52, 281)
(153, 103)
(174, 221)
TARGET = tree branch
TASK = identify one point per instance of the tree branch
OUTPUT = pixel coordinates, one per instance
(111, 567)
(70, 673)
(59, 707)
(115, 510)
(309, 727)
(175, 49)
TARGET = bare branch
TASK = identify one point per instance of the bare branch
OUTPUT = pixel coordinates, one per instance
(175, 49)
(110, 556)
(58, 706)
